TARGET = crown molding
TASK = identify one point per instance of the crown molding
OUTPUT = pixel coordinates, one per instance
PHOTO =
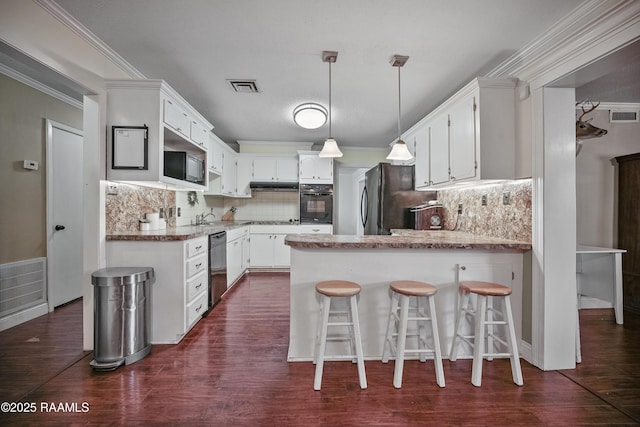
(615, 106)
(16, 75)
(574, 34)
(83, 32)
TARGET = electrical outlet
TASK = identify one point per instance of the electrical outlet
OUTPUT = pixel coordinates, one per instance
(484, 200)
(506, 198)
(459, 208)
(112, 189)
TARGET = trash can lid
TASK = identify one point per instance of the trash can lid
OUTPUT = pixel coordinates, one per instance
(120, 276)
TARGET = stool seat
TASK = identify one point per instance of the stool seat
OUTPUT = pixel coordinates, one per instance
(413, 288)
(338, 288)
(485, 288)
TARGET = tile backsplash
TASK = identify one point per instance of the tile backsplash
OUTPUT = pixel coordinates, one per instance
(495, 219)
(266, 206)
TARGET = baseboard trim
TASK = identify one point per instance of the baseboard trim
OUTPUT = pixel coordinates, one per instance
(23, 316)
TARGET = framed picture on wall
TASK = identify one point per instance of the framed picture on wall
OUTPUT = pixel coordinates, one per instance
(130, 146)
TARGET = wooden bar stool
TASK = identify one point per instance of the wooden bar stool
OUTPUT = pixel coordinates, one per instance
(484, 318)
(400, 314)
(338, 289)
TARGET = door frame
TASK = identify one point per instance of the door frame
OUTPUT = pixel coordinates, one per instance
(49, 125)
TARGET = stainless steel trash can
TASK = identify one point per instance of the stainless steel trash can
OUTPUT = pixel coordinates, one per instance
(121, 315)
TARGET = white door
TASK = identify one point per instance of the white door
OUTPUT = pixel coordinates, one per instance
(64, 213)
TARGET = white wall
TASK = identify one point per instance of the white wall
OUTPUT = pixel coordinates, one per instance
(596, 177)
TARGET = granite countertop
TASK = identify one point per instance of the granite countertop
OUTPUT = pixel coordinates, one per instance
(406, 239)
(186, 232)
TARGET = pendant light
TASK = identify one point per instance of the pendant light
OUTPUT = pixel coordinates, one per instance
(330, 147)
(399, 151)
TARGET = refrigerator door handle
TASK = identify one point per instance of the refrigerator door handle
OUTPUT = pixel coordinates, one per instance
(364, 201)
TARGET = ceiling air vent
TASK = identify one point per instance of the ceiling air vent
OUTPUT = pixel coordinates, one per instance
(244, 86)
(629, 116)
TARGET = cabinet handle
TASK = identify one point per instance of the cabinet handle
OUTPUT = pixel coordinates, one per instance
(462, 267)
(199, 308)
(199, 286)
(235, 243)
(198, 265)
(198, 247)
(316, 230)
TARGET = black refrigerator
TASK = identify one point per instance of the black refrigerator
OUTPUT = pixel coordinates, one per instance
(387, 197)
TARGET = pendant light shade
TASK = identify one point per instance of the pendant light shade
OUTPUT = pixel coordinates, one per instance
(330, 147)
(399, 151)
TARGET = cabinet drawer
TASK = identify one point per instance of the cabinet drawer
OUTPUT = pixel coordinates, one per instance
(196, 246)
(196, 308)
(196, 285)
(316, 229)
(196, 265)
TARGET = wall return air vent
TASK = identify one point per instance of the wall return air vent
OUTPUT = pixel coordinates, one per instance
(244, 86)
(628, 116)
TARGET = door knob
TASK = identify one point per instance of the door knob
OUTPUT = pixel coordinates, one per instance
(59, 227)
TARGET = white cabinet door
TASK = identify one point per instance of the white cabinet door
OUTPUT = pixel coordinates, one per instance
(243, 177)
(264, 169)
(315, 170)
(261, 250)
(199, 134)
(176, 118)
(422, 156)
(281, 252)
(246, 251)
(462, 139)
(234, 260)
(216, 156)
(229, 174)
(287, 170)
(316, 229)
(439, 150)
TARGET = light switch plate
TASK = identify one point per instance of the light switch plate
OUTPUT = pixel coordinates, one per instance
(506, 198)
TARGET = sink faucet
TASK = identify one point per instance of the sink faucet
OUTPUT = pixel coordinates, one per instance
(200, 218)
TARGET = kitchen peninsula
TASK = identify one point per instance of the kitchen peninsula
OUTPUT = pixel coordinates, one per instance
(442, 258)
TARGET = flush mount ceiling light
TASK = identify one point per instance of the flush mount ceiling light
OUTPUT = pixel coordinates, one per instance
(330, 147)
(310, 115)
(399, 150)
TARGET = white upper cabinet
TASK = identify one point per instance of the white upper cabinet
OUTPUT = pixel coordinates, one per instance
(225, 183)
(134, 104)
(283, 169)
(420, 143)
(243, 176)
(314, 169)
(471, 136)
(216, 154)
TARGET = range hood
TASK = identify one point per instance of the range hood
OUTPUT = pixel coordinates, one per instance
(273, 186)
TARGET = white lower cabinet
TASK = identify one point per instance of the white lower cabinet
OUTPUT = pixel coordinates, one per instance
(268, 249)
(236, 254)
(180, 293)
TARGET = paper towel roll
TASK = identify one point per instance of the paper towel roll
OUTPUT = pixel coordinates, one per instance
(154, 220)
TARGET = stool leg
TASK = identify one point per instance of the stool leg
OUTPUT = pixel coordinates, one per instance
(516, 370)
(437, 360)
(358, 341)
(391, 326)
(316, 345)
(402, 341)
(422, 326)
(462, 305)
(489, 326)
(478, 341)
(324, 319)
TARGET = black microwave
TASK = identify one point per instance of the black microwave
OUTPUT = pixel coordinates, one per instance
(184, 166)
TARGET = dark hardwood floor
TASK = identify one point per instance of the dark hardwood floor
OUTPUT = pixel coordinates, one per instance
(231, 370)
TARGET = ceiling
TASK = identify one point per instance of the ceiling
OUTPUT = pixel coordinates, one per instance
(197, 45)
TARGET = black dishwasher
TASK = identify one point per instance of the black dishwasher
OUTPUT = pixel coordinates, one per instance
(217, 267)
